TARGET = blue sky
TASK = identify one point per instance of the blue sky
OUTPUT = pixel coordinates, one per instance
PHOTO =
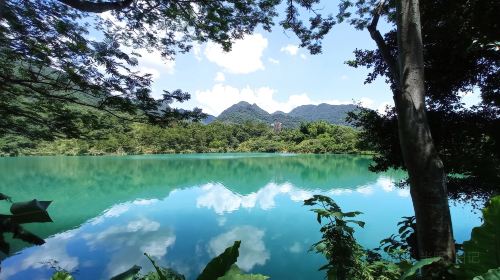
(268, 68)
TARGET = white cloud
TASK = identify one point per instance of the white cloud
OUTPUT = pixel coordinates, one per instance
(344, 77)
(296, 248)
(113, 212)
(252, 249)
(381, 108)
(303, 56)
(368, 190)
(220, 97)
(385, 183)
(222, 200)
(155, 74)
(54, 252)
(108, 16)
(158, 247)
(340, 191)
(145, 201)
(220, 77)
(290, 49)
(367, 102)
(470, 98)
(154, 60)
(245, 56)
(197, 51)
(273, 61)
(404, 193)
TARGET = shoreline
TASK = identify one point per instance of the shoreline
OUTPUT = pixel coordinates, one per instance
(355, 153)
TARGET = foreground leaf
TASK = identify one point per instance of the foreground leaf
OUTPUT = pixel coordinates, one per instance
(492, 274)
(160, 273)
(481, 251)
(418, 265)
(236, 274)
(62, 275)
(219, 265)
(129, 274)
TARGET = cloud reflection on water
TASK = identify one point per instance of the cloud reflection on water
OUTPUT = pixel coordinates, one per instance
(252, 249)
(222, 200)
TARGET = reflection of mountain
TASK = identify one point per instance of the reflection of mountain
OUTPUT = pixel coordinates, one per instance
(83, 187)
(222, 200)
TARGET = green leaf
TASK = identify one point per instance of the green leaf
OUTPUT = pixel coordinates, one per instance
(492, 274)
(418, 265)
(219, 265)
(236, 274)
(481, 251)
(359, 223)
(161, 276)
(170, 274)
(129, 274)
(352, 214)
(62, 275)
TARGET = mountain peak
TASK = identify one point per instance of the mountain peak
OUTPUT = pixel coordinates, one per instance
(243, 112)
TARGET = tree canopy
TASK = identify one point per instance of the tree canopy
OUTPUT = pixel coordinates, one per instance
(48, 60)
(461, 54)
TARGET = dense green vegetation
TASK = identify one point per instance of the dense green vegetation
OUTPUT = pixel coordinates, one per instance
(315, 137)
(394, 259)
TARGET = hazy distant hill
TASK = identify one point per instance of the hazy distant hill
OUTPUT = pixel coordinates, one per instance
(331, 113)
(244, 111)
(208, 119)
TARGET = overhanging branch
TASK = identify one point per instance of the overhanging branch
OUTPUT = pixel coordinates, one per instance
(382, 46)
(97, 7)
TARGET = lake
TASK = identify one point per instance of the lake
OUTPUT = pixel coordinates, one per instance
(185, 209)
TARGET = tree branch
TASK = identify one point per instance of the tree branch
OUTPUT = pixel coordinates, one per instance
(96, 7)
(382, 46)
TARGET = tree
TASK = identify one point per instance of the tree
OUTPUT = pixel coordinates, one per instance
(459, 57)
(419, 154)
(48, 61)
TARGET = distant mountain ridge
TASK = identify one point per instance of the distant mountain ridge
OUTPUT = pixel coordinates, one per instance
(244, 111)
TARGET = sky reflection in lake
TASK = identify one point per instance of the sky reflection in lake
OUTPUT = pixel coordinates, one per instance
(184, 210)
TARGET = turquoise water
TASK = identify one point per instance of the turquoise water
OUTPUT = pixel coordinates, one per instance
(185, 209)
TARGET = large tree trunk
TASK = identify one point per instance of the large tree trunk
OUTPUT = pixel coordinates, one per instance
(425, 168)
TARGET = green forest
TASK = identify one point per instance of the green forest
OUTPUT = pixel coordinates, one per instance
(125, 139)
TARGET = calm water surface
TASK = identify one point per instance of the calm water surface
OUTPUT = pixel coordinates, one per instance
(185, 209)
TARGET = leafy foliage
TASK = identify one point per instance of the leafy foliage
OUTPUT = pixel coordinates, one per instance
(129, 274)
(319, 137)
(338, 244)
(404, 244)
(461, 55)
(236, 274)
(48, 62)
(221, 264)
(221, 267)
(418, 265)
(492, 274)
(481, 252)
(346, 257)
(62, 275)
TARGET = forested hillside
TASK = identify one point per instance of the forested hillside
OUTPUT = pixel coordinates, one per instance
(244, 111)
